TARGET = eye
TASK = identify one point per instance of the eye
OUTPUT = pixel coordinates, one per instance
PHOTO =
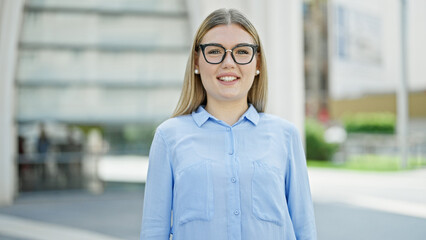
(240, 51)
(243, 51)
(215, 51)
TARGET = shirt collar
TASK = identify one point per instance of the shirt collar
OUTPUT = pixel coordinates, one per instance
(252, 115)
(201, 116)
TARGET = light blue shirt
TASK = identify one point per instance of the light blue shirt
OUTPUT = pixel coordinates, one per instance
(248, 181)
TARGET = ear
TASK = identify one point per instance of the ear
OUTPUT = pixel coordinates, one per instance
(196, 58)
(258, 63)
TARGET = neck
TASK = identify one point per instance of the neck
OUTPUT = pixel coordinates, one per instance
(228, 112)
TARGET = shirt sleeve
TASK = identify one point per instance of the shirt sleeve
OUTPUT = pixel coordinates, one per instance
(157, 207)
(298, 192)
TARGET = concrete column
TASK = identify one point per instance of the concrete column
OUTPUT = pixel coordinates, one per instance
(94, 150)
(10, 22)
(284, 53)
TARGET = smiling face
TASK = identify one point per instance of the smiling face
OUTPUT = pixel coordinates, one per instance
(226, 81)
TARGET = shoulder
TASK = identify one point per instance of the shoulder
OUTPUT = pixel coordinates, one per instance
(177, 124)
(283, 128)
(277, 123)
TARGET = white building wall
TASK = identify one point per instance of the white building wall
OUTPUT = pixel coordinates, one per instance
(371, 37)
(416, 45)
(95, 61)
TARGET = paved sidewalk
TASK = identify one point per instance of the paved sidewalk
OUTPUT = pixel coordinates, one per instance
(401, 193)
(12, 228)
(115, 214)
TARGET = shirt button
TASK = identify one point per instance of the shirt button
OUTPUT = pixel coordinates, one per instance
(236, 212)
(228, 129)
(233, 180)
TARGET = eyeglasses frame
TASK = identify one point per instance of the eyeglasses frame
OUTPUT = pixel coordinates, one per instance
(253, 46)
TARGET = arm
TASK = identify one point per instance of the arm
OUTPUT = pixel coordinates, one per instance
(158, 192)
(298, 192)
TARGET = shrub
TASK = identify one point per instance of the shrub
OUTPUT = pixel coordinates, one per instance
(316, 147)
(370, 123)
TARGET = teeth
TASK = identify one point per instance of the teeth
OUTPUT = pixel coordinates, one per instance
(227, 78)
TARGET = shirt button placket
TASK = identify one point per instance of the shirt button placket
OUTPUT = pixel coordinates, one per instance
(235, 221)
(231, 141)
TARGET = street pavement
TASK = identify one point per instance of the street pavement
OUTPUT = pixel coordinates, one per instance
(115, 214)
(352, 205)
(348, 205)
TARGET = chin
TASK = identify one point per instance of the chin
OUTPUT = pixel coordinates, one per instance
(232, 98)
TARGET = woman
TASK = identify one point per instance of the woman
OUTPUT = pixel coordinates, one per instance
(221, 168)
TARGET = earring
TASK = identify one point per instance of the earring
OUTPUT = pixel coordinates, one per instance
(257, 72)
(196, 71)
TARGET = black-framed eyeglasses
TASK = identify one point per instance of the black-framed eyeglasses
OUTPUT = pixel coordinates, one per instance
(215, 53)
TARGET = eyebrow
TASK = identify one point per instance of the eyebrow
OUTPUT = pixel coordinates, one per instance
(237, 45)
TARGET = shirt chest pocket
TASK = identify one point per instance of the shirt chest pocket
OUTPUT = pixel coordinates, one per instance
(194, 193)
(268, 197)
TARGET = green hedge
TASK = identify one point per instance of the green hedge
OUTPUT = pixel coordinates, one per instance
(379, 122)
(372, 162)
(316, 147)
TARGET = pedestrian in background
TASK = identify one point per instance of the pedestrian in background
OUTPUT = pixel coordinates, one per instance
(221, 168)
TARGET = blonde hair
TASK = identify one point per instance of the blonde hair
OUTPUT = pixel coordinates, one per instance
(193, 93)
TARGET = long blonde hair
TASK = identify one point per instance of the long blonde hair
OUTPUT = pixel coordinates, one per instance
(193, 93)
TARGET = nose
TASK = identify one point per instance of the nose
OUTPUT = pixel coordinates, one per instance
(228, 61)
